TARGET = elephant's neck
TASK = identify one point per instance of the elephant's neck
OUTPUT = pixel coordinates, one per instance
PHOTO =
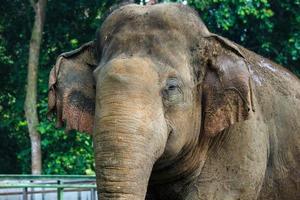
(185, 167)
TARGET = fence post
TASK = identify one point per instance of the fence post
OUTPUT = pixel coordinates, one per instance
(79, 195)
(60, 192)
(25, 193)
(43, 193)
(93, 196)
(32, 191)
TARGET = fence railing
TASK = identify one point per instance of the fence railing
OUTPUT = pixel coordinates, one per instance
(61, 184)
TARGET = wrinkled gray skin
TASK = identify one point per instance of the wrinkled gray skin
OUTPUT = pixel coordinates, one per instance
(177, 112)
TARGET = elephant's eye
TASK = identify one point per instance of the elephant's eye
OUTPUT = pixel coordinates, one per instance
(172, 92)
(172, 87)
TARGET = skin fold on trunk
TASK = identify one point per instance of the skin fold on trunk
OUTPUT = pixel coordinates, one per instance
(122, 173)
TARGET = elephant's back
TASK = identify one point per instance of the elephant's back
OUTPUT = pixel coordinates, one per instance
(277, 94)
(274, 87)
(268, 74)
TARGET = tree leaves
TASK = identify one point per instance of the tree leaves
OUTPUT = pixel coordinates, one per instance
(270, 28)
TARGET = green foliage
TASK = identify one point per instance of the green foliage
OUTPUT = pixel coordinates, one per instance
(270, 28)
(64, 153)
(68, 25)
(70, 153)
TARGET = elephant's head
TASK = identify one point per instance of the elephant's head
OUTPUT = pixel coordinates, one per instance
(163, 86)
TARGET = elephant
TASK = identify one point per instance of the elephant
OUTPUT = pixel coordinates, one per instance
(177, 112)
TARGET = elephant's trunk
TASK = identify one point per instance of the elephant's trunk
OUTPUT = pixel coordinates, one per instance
(123, 166)
(130, 132)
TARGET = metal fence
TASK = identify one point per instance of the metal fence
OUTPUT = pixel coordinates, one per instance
(35, 187)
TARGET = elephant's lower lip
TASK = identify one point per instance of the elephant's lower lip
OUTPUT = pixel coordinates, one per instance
(171, 130)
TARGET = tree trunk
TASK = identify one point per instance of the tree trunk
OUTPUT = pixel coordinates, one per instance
(31, 90)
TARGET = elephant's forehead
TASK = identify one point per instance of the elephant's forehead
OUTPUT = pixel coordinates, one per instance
(161, 16)
(169, 54)
(159, 32)
(145, 19)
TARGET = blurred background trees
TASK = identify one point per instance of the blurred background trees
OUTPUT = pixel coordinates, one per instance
(270, 28)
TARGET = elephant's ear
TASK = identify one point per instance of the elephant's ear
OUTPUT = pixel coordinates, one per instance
(226, 92)
(226, 43)
(72, 89)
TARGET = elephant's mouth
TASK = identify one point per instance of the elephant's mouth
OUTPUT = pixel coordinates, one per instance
(170, 128)
(165, 158)
(170, 131)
